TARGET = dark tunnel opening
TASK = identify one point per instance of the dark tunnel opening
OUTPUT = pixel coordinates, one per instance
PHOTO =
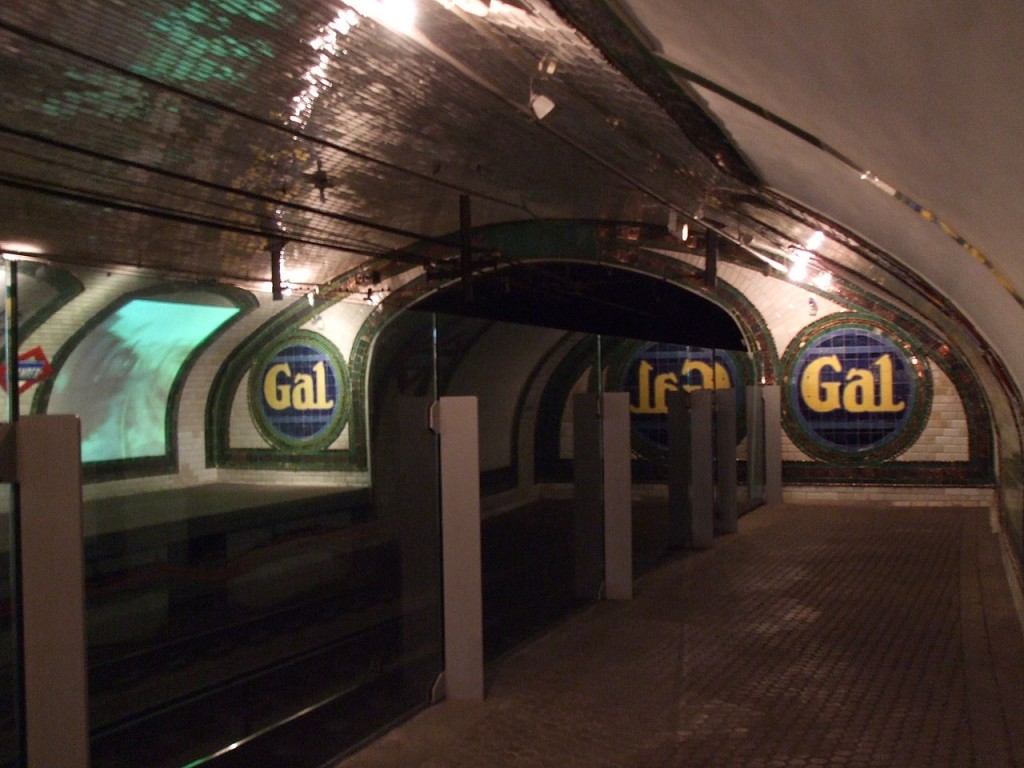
(593, 299)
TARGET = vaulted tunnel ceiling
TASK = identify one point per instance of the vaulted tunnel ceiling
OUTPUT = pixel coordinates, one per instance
(187, 135)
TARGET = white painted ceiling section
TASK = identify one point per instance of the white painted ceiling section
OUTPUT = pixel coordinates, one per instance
(928, 96)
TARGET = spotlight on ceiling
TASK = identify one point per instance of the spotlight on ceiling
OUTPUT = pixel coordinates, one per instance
(541, 105)
(12, 250)
(682, 232)
(798, 272)
(474, 7)
(816, 240)
(397, 15)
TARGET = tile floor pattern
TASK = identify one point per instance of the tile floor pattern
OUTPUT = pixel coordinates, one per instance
(857, 637)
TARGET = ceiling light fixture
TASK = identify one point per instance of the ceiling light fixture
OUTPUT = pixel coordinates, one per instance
(13, 249)
(823, 281)
(473, 7)
(871, 178)
(540, 104)
(816, 240)
(396, 15)
(798, 272)
(683, 232)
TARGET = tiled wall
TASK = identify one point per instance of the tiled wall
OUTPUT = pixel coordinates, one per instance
(919, 496)
(945, 436)
(785, 308)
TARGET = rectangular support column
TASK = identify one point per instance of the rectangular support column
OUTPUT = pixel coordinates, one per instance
(755, 444)
(406, 490)
(726, 515)
(691, 469)
(455, 421)
(48, 470)
(678, 470)
(588, 521)
(702, 481)
(618, 496)
(772, 444)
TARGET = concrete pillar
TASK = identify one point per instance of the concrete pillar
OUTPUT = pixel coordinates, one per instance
(755, 444)
(726, 515)
(588, 471)
(48, 470)
(772, 398)
(455, 421)
(406, 493)
(691, 469)
(618, 496)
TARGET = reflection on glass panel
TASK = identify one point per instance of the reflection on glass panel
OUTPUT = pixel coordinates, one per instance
(525, 379)
(119, 377)
(228, 622)
(9, 675)
(8, 737)
(648, 372)
(755, 447)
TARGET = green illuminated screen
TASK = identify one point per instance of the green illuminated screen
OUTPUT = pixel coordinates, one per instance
(119, 377)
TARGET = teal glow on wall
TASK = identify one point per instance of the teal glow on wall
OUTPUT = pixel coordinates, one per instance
(209, 41)
(119, 378)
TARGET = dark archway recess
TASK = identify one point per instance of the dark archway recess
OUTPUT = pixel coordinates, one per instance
(591, 298)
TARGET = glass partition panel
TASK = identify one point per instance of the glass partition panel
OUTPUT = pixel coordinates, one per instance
(648, 371)
(541, 544)
(262, 568)
(9, 736)
(634, 366)
(10, 731)
(755, 455)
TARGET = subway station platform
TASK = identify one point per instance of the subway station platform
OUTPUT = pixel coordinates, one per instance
(882, 637)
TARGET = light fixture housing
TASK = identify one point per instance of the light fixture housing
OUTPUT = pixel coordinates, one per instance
(541, 105)
(816, 240)
(473, 7)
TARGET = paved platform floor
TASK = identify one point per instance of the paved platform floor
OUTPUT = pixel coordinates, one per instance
(851, 637)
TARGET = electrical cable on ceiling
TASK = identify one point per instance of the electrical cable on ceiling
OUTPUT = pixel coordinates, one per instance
(255, 196)
(83, 196)
(234, 112)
